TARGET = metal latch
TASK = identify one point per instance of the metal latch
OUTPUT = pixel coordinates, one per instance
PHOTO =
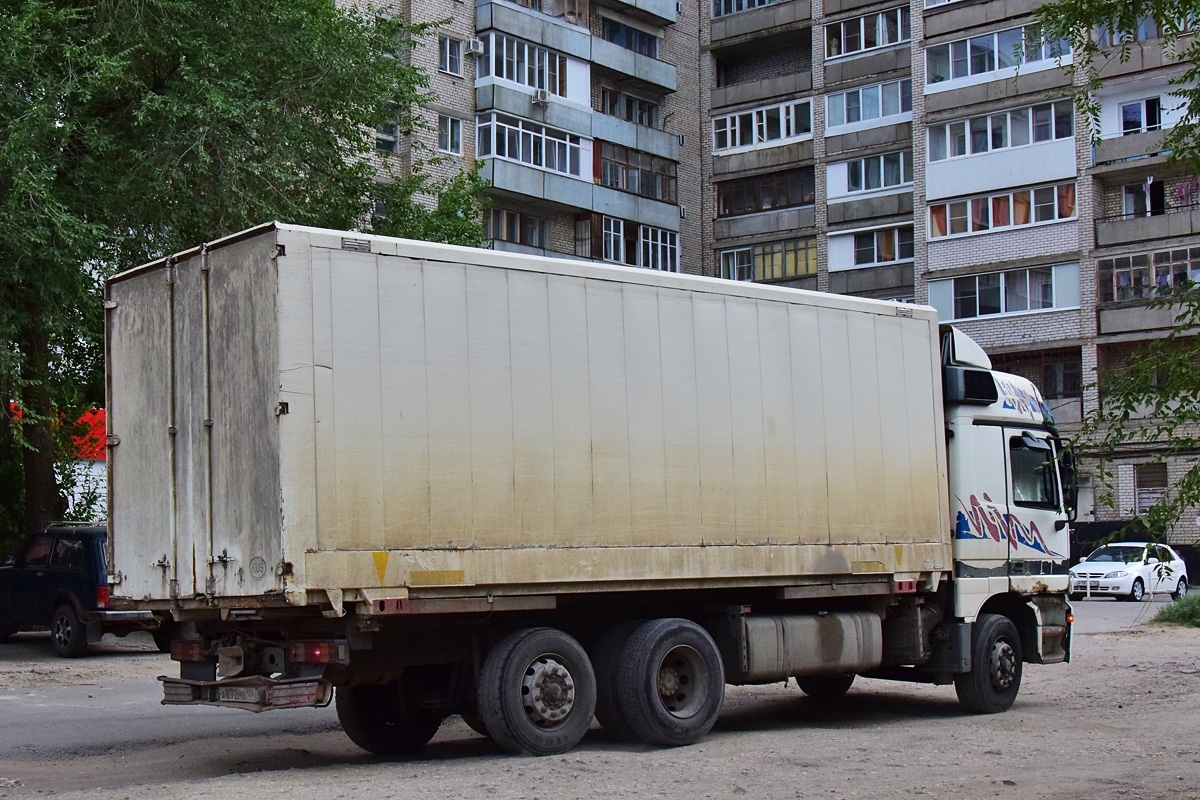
(224, 558)
(162, 563)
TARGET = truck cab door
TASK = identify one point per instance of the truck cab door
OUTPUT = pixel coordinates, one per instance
(1035, 507)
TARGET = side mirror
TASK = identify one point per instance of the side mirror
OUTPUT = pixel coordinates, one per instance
(1082, 559)
(1151, 560)
(11, 561)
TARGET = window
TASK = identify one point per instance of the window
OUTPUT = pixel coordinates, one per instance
(1010, 292)
(1061, 379)
(878, 172)
(630, 38)
(635, 245)
(723, 7)
(883, 246)
(1147, 199)
(1003, 130)
(990, 52)
(762, 126)
(869, 102)
(38, 552)
(1034, 478)
(449, 134)
(572, 11)
(792, 258)
(510, 59)
(450, 55)
(387, 138)
(583, 236)
(1147, 29)
(1144, 115)
(1141, 276)
(1011, 209)
(68, 554)
(660, 249)
(612, 239)
(629, 108)
(518, 228)
(633, 171)
(530, 143)
(1149, 485)
(867, 33)
(766, 192)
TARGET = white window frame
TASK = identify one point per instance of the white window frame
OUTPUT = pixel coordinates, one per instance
(1036, 54)
(1144, 125)
(861, 25)
(449, 134)
(967, 205)
(723, 8)
(1005, 278)
(658, 249)
(863, 167)
(450, 56)
(740, 263)
(512, 60)
(612, 240)
(731, 131)
(1027, 117)
(388, 135)
(532, 141)
(875, 233)
(872, 92)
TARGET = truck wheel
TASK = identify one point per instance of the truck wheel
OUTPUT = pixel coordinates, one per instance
(606, 654)
(377, 719)
(475, 723)
(995, 677)
(537, 692)
(825, 688)
(670, 682)
(67, 633)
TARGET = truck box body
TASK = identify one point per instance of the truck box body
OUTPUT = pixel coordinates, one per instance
(317, 417)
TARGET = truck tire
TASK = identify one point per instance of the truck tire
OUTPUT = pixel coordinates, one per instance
(671, 682)
(537, 692)
(377, 719)
(67, 633)
(825, 688)
(996, 662)
(606, 654)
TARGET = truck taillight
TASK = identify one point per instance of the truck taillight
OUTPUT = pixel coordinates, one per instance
(319, 653)
(188, 650)
(101, 597)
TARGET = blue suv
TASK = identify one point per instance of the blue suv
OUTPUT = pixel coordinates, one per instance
(60, 581)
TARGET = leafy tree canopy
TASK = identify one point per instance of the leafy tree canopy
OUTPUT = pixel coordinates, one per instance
(130, 129)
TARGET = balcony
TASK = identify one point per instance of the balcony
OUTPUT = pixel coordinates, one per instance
(556, 33)
(782, 86)
(654, 12)
(1142, 56)
(785, 221)
(774, 19)
(1119, 149)
(654, 75)
(763, 158)
(887, 205)
(1127, 228)
(1132, 317)
(637, 137)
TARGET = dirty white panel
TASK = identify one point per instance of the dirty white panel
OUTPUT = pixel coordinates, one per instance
(572, 399)
(714, 394)
(325, 432)
(923, 390)
(449, 389)
(647, 453)
(405, 430)
(872, 517)
(491, 390)
(610, 413)
(779, 436)
(810, 423)
(681, 432)
(845, 497)
(745, 380)
(532, 407)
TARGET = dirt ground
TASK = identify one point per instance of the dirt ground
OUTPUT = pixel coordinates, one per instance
(1121, 722)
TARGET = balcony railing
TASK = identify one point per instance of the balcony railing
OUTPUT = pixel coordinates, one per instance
(1148, 225)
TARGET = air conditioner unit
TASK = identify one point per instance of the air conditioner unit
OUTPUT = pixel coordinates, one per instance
(474, 47)
(541, 97)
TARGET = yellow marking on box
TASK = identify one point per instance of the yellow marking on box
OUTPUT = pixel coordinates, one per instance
(437, 577)
(867, 566)
(899, 554)
(381, 562)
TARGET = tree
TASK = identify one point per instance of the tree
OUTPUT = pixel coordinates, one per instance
(129, 130)
(1150, 404)
(1102, 30)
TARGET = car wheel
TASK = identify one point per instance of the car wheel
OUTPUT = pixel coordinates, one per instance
(995, 677)
(1181, 590)
(671, 682)
(377, 719)
(1138, 592)
(67, 633)
(537, 692)
(825, 688)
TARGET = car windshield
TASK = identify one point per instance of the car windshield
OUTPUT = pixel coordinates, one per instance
(1125, 555)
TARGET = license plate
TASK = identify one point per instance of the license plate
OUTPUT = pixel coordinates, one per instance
(239, 694)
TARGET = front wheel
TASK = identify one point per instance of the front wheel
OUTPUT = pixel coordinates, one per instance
(67, 633)
(379, 720)
(995, 677)
(1138, 592)
(537, 692)
(1181, 590)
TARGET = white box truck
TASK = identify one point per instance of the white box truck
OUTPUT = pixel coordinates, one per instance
(448, 480)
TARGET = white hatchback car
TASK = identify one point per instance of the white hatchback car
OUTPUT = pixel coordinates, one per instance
(1129, 570)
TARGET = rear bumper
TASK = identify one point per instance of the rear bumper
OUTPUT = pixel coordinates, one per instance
(253, 693)
(113, 617)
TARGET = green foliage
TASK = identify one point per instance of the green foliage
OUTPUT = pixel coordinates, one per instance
(1181, 612)
(129, 130)
(1077, 20)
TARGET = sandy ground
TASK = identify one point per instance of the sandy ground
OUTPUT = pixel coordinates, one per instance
(1121, 722)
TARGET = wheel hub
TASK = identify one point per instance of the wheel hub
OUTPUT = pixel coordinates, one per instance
(682, 682)
(548, 690)
(1004, 665)
(62, 631)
